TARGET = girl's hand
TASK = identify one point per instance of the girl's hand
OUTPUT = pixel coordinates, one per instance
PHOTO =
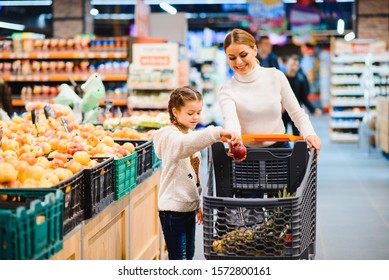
(313, 141)
(199, 216)
(234, 137)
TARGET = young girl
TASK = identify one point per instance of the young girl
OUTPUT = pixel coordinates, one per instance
(179, 193)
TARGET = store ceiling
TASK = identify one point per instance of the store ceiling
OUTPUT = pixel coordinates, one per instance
(120, 13)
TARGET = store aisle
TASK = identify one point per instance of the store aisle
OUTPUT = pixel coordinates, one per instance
(353, 202)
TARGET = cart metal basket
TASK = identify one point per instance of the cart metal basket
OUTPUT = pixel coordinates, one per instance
(263, 207)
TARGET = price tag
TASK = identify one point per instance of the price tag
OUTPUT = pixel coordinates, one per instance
(65, 124)
(49, 112)
(34, 117)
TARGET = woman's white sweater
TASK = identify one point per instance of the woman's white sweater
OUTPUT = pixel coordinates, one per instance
(178, 186)
(252, 104)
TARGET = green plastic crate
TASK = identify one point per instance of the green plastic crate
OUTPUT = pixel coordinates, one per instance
(144, 162)
(156, 161)
(31, 223)
(125, 175)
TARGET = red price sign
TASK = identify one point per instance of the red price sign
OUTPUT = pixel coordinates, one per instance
(155, 60)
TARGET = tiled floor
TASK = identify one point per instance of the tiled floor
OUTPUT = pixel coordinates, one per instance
(353, 202)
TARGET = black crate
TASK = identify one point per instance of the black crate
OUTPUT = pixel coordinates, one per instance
(73, 189)
(252, 221)
(99, 188)
(145, 157)
(31, 223)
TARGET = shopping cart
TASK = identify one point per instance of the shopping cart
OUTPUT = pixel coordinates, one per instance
(263, 207)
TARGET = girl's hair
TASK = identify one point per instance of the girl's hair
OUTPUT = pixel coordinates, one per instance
(239, 36)
(178, 98)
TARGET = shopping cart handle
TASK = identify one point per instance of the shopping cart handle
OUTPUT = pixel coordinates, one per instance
(269, 138)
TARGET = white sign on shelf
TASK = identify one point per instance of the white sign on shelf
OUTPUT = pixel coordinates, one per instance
(154, 66)
(155, 55)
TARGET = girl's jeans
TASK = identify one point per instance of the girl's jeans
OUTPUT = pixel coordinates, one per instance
(179, 232)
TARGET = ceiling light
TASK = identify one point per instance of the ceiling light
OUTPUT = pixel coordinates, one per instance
(94, 12)
(168, 8)
(340, 26)
(349, 36)
(172, 2)
(13, 26)
(26, 3)
(114, 17)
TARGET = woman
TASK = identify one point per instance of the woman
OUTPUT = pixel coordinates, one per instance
(252, 101)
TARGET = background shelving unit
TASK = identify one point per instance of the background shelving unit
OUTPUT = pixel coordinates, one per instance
(347, 103)
(35, 70)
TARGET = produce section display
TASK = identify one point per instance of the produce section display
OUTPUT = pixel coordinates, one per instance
(46, 148)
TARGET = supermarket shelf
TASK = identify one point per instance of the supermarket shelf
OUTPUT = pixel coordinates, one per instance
(341, 114)
(345, 82)
(62, 77)
(148, 108)
(21, 103)
(359, 58)
(350, 104)
(65, 55)
(358, 70)
(346, 93)
(342, 125)
(344, 138)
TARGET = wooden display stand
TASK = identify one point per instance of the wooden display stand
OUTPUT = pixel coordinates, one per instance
(127, 229)
(71, 246)
(144, 220)
(106, 235)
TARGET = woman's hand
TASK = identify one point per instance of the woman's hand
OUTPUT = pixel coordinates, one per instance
(313, 141)
(199, 216)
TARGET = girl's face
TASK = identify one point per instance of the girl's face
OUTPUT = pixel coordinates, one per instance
(241, 58)
(189, 114)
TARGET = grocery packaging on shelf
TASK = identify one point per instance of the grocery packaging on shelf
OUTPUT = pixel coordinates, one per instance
(140, 119)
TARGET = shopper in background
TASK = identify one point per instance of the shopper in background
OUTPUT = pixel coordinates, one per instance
(252, 100)
(178, 147)
(5, 97)
(265, 55)
(300, 86)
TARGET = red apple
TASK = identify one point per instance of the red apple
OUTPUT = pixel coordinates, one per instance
(237, 151)
(29, 157)
(121, 150)
(75, 147)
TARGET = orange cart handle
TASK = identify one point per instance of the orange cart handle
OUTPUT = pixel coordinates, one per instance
(269, 138)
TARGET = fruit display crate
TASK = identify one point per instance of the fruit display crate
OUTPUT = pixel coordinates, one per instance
(99, 190)
(125, 175)
(31, 223)
(263, 207)
(144, 162)
(156, 161)
(73, 189)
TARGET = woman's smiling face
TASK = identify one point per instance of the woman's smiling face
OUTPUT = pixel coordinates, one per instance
(241, 58)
